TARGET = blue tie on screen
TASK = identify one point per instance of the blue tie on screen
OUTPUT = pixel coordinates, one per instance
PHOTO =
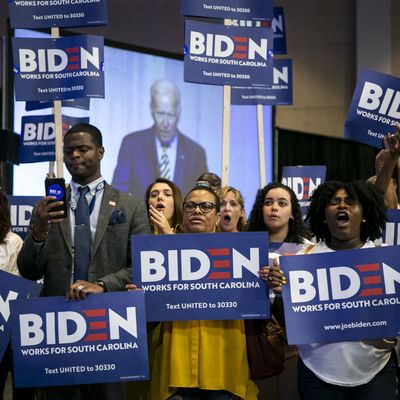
(83, 239)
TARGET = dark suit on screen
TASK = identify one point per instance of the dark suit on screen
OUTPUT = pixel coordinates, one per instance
(137, 163)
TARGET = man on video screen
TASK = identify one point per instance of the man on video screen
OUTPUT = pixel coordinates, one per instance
(160, 151)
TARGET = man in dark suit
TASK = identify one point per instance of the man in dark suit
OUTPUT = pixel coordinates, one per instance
(160, 151)
(51, 251)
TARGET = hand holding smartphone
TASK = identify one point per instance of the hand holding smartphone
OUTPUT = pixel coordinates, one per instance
(56, 187)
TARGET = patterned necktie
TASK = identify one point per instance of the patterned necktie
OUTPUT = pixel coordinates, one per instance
(83, 239)
(164, 166)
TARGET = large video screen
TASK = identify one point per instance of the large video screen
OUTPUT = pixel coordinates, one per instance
(125, 109)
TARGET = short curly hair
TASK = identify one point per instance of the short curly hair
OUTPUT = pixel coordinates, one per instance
(93, 131)
(364, 192)
(297, 230)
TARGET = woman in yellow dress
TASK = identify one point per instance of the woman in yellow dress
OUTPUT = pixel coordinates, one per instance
(201, 359)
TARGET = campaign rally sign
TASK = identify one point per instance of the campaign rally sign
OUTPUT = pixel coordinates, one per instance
(99, 339)
(60, 13)
(374, 109)
(391, 233)
(277, 24)
(83, 104)
(279, 93)
(304, 180)
(21, 212)
(57, 69)
(241, 9)
(11, 288)
(220, 55)
(37, 142)
(202, 276)
(342, 296)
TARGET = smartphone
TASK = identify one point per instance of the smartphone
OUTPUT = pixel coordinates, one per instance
(56, 187)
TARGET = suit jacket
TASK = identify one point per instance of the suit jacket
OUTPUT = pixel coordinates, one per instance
(137, 163)
(120, 217)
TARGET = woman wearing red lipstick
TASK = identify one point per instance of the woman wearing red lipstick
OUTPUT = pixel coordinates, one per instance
(345, 216)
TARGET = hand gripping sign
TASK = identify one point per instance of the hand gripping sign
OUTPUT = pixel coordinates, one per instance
(343, 295)
(202, 276)
(99, 339)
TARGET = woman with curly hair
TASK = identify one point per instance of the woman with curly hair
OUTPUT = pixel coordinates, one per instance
(277, 211)
(345, 216)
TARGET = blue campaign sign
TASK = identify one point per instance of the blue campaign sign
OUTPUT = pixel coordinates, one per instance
(277, 24)
(391, 233)
(241, 9)
(220, 55)
(57, 69)
(202, 276)
(37, 142)
(279, 93)
(342, 296)
(60, 13)
(83, 104)
(304, 180)
(374, 109)
(12, 287)
(99, 339)
(21, 212)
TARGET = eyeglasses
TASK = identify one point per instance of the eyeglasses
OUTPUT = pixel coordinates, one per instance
(205, 206)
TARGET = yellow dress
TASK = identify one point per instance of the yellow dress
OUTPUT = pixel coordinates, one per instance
(201, 354)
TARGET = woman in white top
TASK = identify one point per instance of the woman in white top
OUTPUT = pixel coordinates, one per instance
(276, 210)
(345, 216)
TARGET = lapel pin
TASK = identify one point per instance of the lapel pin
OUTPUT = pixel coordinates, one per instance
(112, 203)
